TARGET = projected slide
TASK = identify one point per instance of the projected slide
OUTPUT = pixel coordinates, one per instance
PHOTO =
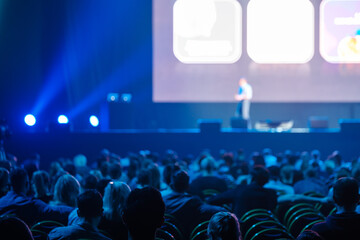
(207, 31)
(340, 31)
(201, 48)
(280, 31)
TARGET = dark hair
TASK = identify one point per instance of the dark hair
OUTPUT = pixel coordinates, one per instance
(89, 182)
(309, 235)
(5, 164)
(274, 172)
(90, 204)
(101, 184)
(260, 175)
(346, 191)
(14, 228)
(144, 211)
(115, 170)
(180, 181)
(224, 226)
(18, 179)
(169, 171)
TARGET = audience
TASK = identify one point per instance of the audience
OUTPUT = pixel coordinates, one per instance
(119, 212)
(30, 210)
(90, 209)
(144, 213)
(224, 226)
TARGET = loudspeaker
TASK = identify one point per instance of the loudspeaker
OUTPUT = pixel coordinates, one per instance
(318, 122)
(349, 125)
(238, 122)
(209, 125)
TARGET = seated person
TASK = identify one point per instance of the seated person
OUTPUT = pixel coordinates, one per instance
(224, 226)
(67, 188)
(345, 223)
(90, 209)
(248, 197)
(188, 210)
(144, 213)
(4, 181)
(30, 210)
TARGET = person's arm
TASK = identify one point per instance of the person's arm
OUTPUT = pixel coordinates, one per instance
(223, 198)
(302, 198)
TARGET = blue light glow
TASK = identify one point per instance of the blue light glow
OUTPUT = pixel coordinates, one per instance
(94, 121)
(62, 119)
(30, 120)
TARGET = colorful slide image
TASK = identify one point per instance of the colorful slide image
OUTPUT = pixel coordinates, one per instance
(280, 31)
(207, 31)
(340, 31)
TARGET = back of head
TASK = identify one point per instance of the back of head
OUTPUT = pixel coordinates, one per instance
(260, 175)
(115, 197)
(169, 171)
(89, 182)
(115, 170)
(180, 181)
(224, 226)
(90, 204)
(274, 172)
(346, 192)
(41, 182)
(4, 181)
(14, 228)
(144, 212)
(67, 188)
(80, 160)
(309, 235)
(208, 164)
(18, 180)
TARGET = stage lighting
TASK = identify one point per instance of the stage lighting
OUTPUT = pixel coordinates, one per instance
(62, 119)
(30, 120)
(94, 121)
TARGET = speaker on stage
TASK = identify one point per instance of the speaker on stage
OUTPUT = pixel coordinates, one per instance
(209, 125)
(349, 125)
(238, 122)
(318, 122)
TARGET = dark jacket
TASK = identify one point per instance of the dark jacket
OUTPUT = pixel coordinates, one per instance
(247, 197)
(343, 226)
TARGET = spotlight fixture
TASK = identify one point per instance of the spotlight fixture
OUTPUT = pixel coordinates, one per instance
(94, 121)
(30, 120)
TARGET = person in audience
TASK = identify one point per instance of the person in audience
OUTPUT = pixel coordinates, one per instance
(188, 210)
(4, 182)
(344, 224)
(30, 210)
(207, 179)
(144, 213)
(80, 163)
(309, 235)
(67, 188)
(115, 171)
(276, 184)
(41, 186)
(224, 226)
(168, 172)
(248, 197)
(115, 197)
(89, 182)
(12, 228)
(311, 183)
(90, 209)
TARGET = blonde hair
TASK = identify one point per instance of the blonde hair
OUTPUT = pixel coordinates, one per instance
(115, 196)
(67, 188)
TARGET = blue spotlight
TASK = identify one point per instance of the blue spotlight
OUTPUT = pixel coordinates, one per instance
(62, 119)
(30, 120)
(94, 121)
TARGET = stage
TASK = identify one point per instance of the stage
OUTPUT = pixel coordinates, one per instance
(52, 145)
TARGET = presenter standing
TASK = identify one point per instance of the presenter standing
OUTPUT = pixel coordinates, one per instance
(244, 96)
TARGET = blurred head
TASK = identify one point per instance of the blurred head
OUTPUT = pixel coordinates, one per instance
(67, 188)
(242, 82)
(208, 164)
(90, 205)
(80, 160)
(224, 226)
(19, 180)
(40, 183)
(89, 182)
(180, 181)
(144, 212)
(115, 170)
(4, 181)
(309, 235)
(169, 171)
(14, 228)
(346, 192)
(115, 197)
(260, 175)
